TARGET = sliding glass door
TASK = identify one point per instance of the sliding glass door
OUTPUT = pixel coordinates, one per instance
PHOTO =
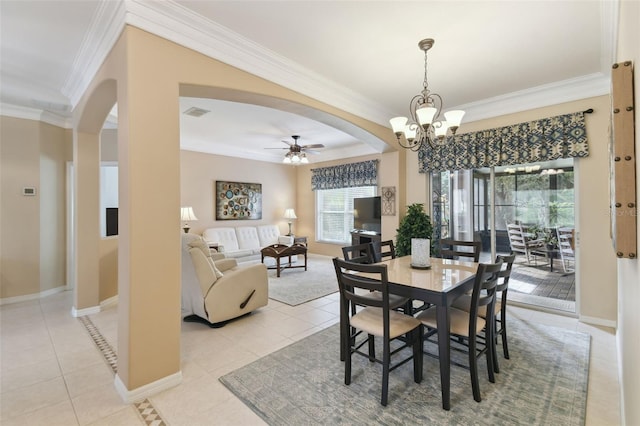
(539, 196)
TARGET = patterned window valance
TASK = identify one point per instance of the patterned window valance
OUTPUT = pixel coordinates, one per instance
(345, 175)
(551, 138)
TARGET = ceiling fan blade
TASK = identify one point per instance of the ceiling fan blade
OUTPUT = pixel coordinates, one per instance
(288, 143)
(311, 151)
(275, 148)
(315, 145)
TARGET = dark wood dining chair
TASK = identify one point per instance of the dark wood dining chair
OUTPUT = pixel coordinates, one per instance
(365, 253)
(456, 249)
(359, 253)
(384, 250)
(376, 319)
(468, 330)
(500, 309)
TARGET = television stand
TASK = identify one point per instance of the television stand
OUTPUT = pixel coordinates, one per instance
(363, 237)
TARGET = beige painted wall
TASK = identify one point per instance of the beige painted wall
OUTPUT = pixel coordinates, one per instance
(33, 229)
(628, 337)
(198, 175)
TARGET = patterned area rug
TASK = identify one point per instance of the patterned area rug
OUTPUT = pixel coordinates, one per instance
(544, 382)
(296, 286)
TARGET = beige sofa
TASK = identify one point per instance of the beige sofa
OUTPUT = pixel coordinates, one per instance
(244, 243)
(215, 289)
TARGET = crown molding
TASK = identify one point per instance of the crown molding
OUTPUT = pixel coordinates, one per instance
(556, 93)
(26, 113)
(101, 36)
(178, 24)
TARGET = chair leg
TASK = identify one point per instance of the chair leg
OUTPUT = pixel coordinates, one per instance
(490, 350)
(347, 361)
(386, 360)
(416, 336)
(473, 369)
(503, 333)
(372, 348)
(494, 347)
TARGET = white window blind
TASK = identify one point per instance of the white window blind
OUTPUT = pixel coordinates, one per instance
(334, 218)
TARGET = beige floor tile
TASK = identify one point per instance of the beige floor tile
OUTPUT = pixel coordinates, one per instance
(82, 358)
(200, 395)
(97, 403)
(85, 379)
(27, 399)
(29, 375)
(125, 417)
(12, 358)
(60, 414)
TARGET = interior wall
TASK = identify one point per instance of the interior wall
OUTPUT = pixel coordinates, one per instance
(199, 173)
(32, 247)
(628, 336)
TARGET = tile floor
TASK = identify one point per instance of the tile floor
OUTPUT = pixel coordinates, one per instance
(53, 373)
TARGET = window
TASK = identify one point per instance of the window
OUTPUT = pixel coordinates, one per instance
(334, 215)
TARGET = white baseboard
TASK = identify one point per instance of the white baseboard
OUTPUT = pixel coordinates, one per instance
(598, 321)
(34, 296)
(86, 311)
(147, 390)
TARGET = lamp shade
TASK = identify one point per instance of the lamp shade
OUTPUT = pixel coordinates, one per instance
(186, 213)
(290, 214)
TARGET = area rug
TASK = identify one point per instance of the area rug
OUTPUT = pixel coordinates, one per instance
(296, 286)
(544, 383)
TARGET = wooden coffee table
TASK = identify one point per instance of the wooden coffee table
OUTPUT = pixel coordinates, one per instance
(278, 251)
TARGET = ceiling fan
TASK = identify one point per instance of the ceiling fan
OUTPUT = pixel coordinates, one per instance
(298, 153)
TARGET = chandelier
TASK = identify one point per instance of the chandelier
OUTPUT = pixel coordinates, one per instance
(425, 124)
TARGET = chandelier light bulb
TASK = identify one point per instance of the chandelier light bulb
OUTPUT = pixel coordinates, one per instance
(286, 159)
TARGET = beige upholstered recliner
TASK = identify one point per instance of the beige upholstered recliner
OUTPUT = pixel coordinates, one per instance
(216, 290)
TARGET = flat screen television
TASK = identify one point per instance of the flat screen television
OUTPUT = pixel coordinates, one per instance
(366, 214)
(112, 221)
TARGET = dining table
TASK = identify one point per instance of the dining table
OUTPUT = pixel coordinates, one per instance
(440, 284)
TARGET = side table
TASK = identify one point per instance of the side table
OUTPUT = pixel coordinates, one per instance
(300, 240)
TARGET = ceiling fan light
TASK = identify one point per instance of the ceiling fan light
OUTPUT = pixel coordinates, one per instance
(295, 158)
(286, 159)
(303, 158)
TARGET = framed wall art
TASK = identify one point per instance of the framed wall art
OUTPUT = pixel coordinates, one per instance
(238, 201)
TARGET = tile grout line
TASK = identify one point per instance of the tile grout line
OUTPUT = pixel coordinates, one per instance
(144, 408)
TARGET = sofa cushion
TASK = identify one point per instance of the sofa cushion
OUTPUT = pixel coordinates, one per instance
(223, 236)
(247, 238)
(268, 234)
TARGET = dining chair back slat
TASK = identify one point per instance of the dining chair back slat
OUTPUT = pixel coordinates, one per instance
(359, 253)
(455, 249)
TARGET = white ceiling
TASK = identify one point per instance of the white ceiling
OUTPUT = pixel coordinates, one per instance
(489, 58)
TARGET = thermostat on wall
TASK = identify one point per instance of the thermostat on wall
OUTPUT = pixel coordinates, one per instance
(29, 190)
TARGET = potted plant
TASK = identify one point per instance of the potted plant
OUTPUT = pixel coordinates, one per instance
(416, 224)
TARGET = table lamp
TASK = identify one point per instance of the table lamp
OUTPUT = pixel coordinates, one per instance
(187, 214)
(290, 214)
